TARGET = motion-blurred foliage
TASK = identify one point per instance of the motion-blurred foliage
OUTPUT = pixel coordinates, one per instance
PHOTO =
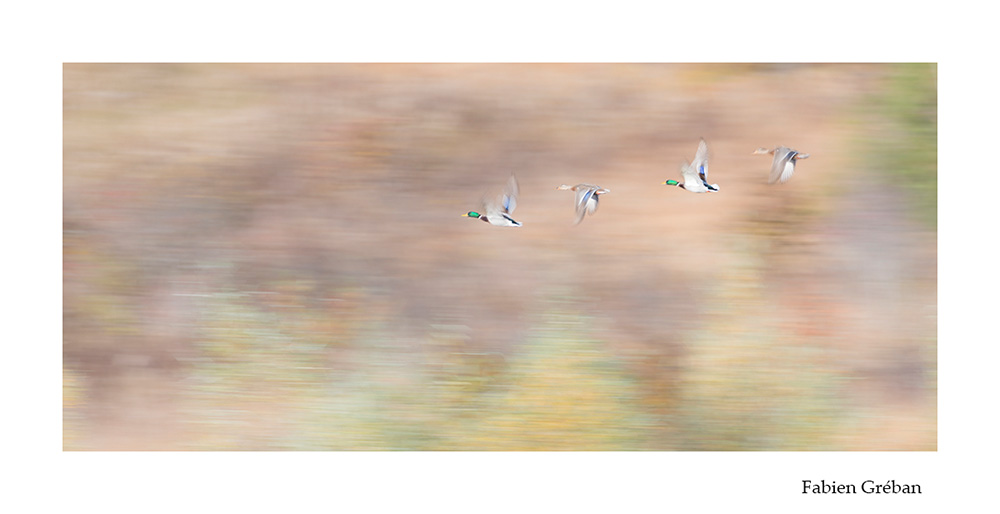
(906, 150)
(271, 257)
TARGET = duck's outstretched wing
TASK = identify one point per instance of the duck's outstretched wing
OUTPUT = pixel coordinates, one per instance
(783, 165)
(700, 162)
(583, 203)
(508, 200)
(689, 174)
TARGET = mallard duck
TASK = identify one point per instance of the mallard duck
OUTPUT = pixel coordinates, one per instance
(784, 162)
(695, 174)
(498, 211)
(587, 196)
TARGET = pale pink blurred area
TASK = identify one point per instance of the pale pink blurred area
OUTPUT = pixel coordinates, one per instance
(272, 257)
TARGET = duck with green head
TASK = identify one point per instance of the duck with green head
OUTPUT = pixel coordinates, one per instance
(783, 165)
(695, 173)
(498, 211)
(587, 197)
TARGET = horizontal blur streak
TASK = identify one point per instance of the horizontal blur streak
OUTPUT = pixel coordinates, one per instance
(272, 257)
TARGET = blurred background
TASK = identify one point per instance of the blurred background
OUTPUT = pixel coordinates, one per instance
(271, 257)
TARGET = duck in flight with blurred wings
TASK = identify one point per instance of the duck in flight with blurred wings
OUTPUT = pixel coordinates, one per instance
(499, 210)
(783, 165)
(587, 197)
(695, 174)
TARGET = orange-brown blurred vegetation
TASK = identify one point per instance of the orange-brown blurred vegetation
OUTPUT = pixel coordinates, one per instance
(272, 257)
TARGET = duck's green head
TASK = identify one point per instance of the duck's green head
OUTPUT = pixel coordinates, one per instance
(472, 214)
(671, 183)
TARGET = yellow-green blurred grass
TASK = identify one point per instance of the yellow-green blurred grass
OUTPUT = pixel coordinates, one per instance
(899, 132)
(563, 391)
(74, 399)
(751, 383)
(260, 387)
(255, 371)
(746, 385)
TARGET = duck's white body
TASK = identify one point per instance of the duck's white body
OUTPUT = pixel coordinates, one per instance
(587, 198)
(498, 211)
(695, 173)
(783, 165)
